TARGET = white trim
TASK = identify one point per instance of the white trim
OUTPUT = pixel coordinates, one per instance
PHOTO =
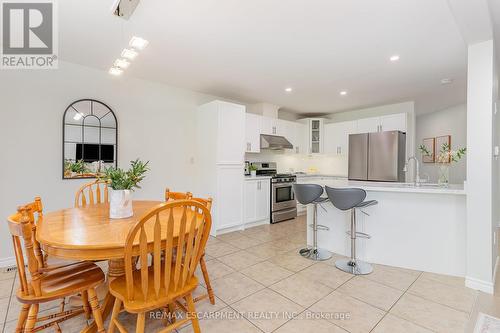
(7, 262)
(495, 271)
(239, 227)
(481, 285)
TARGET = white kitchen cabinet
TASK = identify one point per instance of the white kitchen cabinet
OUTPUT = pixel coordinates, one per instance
(257, 200)
(337, 137)
(368, 125)
(252, 132)
(250, 201)
(288, 129)
(302, 138)
(315, 135)
(271, 126)
(220, 141)
(393, 122)
(263, 206)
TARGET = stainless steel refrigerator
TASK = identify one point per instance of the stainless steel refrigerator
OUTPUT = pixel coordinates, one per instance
(377, 156)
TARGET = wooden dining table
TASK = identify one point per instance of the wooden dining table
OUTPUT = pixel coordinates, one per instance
(88, 233)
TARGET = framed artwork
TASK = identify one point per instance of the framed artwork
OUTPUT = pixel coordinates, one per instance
(440, 141)
(430, 146)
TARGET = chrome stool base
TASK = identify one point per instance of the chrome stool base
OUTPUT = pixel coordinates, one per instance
(355, 268)
(316, 255)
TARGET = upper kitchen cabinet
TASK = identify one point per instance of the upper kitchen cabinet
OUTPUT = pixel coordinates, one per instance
(253, 123)
(337, 137)
(392, 122)
(230, 132)
(288, 129)
(368, 125)
(302, 139)
(315, 135)
(271, 126)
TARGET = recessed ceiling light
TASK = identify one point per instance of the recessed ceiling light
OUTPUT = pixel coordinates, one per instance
(288, 89)
(115, 71)
(138, 43)
(78, 116)
(446, 81)
(394, 58)
(343, 93)
(122, 63)
(129, 54)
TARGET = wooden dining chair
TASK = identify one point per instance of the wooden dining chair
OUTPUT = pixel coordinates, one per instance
(179, 229)
(203, 265)
(92, 193)
(169, 195)
(48, 283)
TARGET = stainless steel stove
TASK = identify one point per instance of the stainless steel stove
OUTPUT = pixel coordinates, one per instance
(283, 204)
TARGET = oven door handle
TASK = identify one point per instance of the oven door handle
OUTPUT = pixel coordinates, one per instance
(282, 185)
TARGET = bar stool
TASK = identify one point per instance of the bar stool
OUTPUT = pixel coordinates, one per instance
(351, 199)
(311, 194)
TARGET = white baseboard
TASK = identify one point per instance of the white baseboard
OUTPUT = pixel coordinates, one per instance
(7, 262)
(484, 286)
(238, 227)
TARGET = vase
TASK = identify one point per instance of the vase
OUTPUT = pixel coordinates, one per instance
(444, 173)
(120, 204)
(253, 173)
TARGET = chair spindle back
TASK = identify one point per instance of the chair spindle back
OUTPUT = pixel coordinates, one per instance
(178, 229)
(22, 225)
(92, 193)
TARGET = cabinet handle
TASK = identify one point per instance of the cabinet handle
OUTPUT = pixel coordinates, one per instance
(274, 129)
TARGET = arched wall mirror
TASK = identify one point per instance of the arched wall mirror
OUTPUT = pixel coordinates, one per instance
(90, 139)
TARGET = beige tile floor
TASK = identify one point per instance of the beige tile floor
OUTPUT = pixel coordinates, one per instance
(263, 285)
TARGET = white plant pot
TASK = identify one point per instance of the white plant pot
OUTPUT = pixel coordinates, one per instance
(120, 204)
(253, 173)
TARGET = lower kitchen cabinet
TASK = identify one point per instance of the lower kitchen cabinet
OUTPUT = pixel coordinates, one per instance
(257, 200)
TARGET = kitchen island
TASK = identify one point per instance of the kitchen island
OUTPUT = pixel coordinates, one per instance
(421, 228)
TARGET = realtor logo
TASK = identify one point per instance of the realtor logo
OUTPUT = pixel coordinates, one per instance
(29, 36)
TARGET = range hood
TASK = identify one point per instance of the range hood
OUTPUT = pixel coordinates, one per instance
(275, 142)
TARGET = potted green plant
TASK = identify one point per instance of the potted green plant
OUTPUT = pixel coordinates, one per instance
(253, 170)
(121, 185)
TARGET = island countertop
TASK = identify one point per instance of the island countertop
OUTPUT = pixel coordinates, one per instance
(456, 189)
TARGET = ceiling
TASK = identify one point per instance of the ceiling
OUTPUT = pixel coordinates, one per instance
(252, 50)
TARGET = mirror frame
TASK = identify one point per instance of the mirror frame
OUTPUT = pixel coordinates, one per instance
(71, 106)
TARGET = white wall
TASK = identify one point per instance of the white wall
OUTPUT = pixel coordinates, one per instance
(482, 169)
(451, 121)
(155, 124)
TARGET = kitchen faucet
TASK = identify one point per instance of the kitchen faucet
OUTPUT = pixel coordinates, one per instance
(417, 171)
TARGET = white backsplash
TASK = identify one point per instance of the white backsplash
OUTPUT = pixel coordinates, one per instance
(289, 162)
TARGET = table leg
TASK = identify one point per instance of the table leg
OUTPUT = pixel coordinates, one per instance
(116, 269)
